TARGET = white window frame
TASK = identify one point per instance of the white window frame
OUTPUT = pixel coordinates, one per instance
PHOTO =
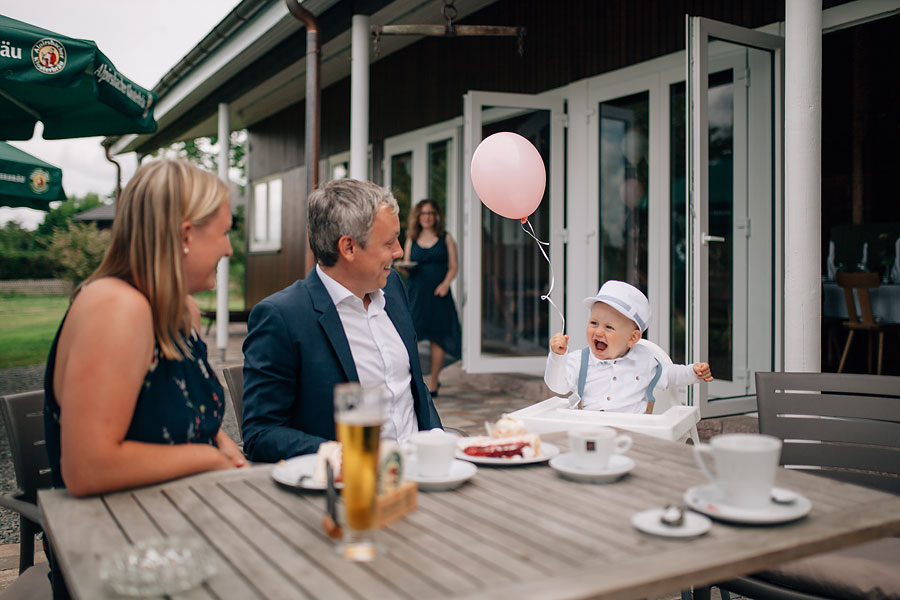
(271, 243)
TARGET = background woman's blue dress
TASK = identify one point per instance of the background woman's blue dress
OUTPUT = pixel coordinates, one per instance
(434, 317)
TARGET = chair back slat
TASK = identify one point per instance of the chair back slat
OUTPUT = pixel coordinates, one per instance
(24, 417)
(881, 407)
(842, 456)
(837, 431)
(848, 426)
(234, 380)
(858, 284)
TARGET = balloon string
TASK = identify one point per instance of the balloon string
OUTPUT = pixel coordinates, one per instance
(530, 232)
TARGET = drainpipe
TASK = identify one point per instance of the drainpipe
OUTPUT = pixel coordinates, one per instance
(118, 170)
(313, 122)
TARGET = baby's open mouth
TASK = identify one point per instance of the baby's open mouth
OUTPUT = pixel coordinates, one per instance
(599, 346)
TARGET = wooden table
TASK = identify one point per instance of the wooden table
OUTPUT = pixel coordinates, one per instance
(518, 532)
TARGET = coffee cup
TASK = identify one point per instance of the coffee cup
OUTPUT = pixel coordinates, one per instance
(593, 449)
(743, 467)
(434, 451)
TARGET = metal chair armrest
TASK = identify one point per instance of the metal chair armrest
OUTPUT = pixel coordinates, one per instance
(26, 509)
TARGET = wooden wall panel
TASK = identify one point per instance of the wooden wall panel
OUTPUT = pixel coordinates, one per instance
(269, 272)
(567, 40)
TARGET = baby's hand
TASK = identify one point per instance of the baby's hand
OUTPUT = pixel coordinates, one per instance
(703, 372)
(559, 343)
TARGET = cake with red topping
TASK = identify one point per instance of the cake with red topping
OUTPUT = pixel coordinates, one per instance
(507, 438)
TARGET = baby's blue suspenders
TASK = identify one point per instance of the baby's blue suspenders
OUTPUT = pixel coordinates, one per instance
(582, 375)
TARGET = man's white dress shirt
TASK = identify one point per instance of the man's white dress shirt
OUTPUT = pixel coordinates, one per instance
(379, 354)
(618, 384)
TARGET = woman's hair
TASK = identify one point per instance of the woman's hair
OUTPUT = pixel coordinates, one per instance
(414, 229)
(343, 207)
(146, 245)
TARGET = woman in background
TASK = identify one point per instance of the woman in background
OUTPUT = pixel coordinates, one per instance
(130, 398)
(434, 313)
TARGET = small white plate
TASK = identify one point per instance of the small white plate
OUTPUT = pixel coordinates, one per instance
(548, 451)
(460, 472)
(297, 473)
(650, 521)
(708, 499)
(566, 466)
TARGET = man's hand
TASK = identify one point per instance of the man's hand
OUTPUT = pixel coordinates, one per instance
(559, 343)
(702, 371)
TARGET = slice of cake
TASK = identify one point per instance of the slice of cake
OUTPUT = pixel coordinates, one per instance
(508, 426)
(513, 447)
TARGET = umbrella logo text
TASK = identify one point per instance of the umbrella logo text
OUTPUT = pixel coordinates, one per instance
(48, 56)
(39, 180)
(7, 51)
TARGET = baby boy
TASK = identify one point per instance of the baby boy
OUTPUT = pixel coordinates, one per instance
(614, 373)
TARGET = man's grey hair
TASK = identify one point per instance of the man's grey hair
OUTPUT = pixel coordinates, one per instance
(344, 207)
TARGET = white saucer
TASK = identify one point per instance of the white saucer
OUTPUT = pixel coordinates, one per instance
(618, 466)
(460, 472)
(297, 473)
(649, 521)
(709, 500)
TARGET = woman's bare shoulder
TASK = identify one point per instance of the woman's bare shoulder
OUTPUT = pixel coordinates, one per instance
(110, 299)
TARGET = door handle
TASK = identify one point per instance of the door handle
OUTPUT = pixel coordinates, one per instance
(705, 239)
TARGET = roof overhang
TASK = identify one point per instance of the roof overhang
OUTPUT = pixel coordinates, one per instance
(246, 41)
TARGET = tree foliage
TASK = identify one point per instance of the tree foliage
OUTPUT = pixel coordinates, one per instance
(78, 250)
(27, 254)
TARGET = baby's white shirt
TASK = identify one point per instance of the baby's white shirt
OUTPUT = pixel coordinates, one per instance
(618, 384)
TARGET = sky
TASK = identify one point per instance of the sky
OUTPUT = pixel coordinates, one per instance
(142, 39)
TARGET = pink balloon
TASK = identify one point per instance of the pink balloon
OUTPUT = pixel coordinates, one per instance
(508, 175)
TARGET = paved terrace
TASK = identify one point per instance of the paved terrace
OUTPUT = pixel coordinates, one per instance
(466, 401)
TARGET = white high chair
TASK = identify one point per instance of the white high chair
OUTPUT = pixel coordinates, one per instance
(666, 399)
(671, 418)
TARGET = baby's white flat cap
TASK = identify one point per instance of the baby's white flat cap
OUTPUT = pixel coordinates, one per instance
(626, 299)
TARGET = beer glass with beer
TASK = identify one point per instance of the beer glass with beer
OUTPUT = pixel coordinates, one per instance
(358, 415)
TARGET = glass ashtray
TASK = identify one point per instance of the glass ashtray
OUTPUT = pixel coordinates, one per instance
(159, 566)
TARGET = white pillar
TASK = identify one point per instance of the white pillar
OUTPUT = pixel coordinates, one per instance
(803, 186)
(222, 269)
(359, 98)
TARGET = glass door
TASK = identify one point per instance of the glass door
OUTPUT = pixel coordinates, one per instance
(423, 164)
(506, 324)
(733, 169)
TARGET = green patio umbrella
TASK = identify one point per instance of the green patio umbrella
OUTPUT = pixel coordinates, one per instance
(68, 85)
(28, 181)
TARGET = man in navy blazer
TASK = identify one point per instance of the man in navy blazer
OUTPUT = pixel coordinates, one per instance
(333, 327)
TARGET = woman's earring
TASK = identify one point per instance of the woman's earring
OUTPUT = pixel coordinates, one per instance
(186, 250)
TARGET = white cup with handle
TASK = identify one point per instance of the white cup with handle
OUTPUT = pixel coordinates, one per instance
(742, 465)
(592, 450)
(434, 452)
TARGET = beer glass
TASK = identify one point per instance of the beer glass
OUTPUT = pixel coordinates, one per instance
(358, 415)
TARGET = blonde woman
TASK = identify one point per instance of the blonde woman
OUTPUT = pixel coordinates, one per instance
(130, 398)
(433, 251)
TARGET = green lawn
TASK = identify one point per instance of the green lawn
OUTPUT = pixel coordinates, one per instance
(28, 324)
(27, 327)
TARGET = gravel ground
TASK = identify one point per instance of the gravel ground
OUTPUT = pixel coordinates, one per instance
(16, 379)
